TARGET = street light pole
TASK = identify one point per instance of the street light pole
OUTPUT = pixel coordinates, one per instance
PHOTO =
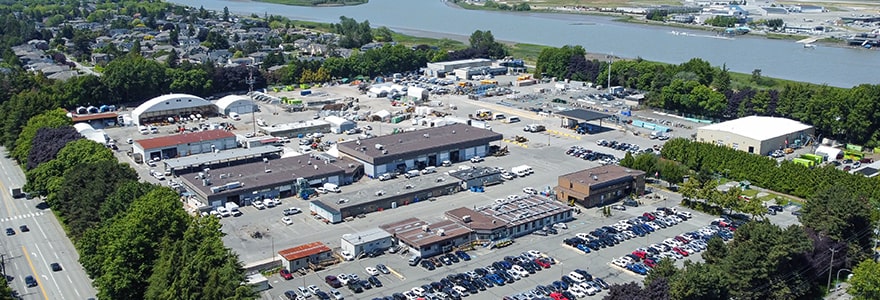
(838, 273)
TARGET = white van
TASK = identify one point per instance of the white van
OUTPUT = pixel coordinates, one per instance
(412, 173)
(234, 116)
(512, 120)
(577, 277)
(429, 170)
(330, 187)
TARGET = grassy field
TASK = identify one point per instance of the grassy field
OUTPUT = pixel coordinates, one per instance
(312, 3)
(526, 52)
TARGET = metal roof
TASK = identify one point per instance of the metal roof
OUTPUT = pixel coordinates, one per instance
(387, 148)
(184, 138)
(583, 114)
(220, 156)
(602, 176)
(303, 251)
(759, 128)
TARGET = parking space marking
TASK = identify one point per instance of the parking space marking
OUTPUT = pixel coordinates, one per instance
(396, 274)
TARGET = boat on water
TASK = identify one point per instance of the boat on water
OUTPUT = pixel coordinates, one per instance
(809, 46)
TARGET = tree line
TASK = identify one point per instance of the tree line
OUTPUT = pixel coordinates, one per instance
(134, 238)
(696, 89)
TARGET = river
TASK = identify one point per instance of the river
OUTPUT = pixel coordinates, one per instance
(835, 66)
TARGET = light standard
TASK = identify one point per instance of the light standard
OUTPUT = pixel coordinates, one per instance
(830, 267)
(838, 273)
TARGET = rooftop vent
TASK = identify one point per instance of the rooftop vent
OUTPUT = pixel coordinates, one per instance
(426, 135)
(379, 146)
(595, 177)
(425, 228)
(466, 219)
(441, 232)
(268, 170)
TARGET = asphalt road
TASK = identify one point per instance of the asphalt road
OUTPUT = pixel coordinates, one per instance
(31, 253)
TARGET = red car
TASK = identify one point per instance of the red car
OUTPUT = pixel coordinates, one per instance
(557, 296)
(650, 263)
(680, 251)
(640, 254)
(542, 262)
(649, 216)
(285, 274)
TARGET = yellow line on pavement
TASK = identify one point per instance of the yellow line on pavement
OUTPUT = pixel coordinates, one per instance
(395, 273)
(10, 198)
(34, 270)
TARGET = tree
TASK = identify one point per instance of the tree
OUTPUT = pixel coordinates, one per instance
(134, 78)
(716, 251)
(198, 265)
(15, 112)
(627, 160)
(665, 268)
(132, 244)
(484, 42)
(193, 81)
(47, 142)
(383, 34)
(83, 190)
(865, 282)
(50, 119)
(760, 261)
(125, 193)
(626, 291)
(756, 75)
(46, 178)
(697, 281)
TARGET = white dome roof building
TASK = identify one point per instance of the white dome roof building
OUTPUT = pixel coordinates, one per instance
(235, 104)
(159, 109)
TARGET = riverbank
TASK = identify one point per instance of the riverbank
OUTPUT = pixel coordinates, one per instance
(311, 3)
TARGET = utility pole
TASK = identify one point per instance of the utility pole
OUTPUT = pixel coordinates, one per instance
(830, 267)
(610, 61)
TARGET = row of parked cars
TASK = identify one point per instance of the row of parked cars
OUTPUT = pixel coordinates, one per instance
(455, 286)
(576, 284)
(587, 154)
(433, 263)
(642, 260)
(610, 235)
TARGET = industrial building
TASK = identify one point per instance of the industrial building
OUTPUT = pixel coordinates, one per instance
(184, 144)
(292, 130)
(419, 149)
(235, 104)
(443, 68)
(511, 218)
(339, 124)
(161, 108)
(285, 177)
(220, 159)
(426, 239)
(337, 207)
(600, 185)
(754, 134)
(366, 241)
(469, 72)
(478, 176)
(306, 256)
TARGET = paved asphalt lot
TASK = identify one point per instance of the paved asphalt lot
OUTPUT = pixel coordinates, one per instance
(544, 152)
(31, 253)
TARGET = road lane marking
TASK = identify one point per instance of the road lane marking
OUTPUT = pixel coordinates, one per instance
(34, 270)
(46, 263)
(395, 273)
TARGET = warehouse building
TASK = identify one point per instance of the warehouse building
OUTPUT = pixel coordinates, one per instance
(469, 72)
(235, 104)
(367, 241)
(285, 177)
(339, 124)
(754, 134)
(511, 218)
(419, 149)
(184, 144)
(425, 239)
(161, 108)
(600, 185)
(443, 68)
(306, 256)
(337, 207)
(292, 130)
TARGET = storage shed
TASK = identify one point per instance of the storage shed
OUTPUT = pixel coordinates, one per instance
(339, 125)
(235, 104)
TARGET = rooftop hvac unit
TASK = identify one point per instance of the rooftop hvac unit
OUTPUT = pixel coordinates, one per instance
(595, 177)
(425, 228)
(379, 146)
(466, 219)
(268, 170)
(441, 232)
(206, 182)
(426, 135)
(384, 151)
(232, 185)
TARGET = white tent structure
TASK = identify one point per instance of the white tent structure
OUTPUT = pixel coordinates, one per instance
(381, 116)
(160, 108)
(830, 153)
(88, 132)
(235, 104)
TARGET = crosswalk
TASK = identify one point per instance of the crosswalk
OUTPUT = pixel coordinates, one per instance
(22, 216)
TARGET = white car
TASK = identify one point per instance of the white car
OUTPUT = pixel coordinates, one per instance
(287, 220)
(589, 288)
(461, 290)
(686, 214)
(530, 191)
(304, 292)
(619, 262)
(476, 159)
(223, 212)
(343, 278)
(321, 190)
(536, 253)
(513, 197)
(519, 270)
(418, 291)
(577, 291)
(508, 176)
(259, 204)
(372, 271)
(314, 289)
(347, 256)
(270, 203)
(336, 294)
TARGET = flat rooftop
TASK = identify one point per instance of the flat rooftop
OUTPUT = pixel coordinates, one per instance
(292, 126)
(253, 175)
(474, 219)
(522, 211)
(759, 128)
(473, 173)
(583, 114)
(366, 236)
(395, 187)
(387, 148)
(219, 157)
(418, 233)
(602, 176)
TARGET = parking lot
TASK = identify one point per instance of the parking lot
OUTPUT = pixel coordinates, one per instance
(545, 152)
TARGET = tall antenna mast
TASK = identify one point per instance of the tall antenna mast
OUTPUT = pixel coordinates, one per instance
(610, 61)
(250, 82)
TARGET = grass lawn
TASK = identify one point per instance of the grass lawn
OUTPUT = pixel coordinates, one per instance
(526, 52)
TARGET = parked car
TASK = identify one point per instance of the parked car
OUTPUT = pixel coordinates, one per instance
(285, 274)
(332, 281)
(476, 159)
